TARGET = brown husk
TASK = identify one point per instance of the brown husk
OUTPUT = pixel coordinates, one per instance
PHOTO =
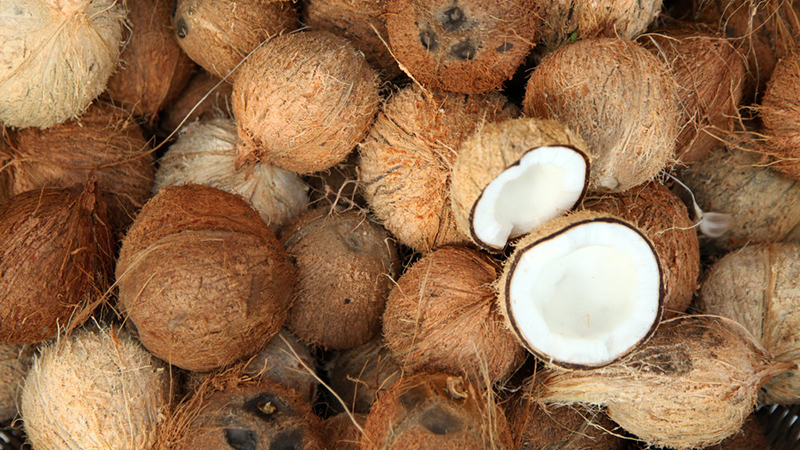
(216, 104)
(338, 187)
(342, 433)
(361, 374)
(780, 111)
(14, 362)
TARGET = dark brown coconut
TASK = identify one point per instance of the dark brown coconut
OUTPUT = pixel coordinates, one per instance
(14, 362)
(780, 111)
(346, 266)
(361, 374)
(619, 98)
(436, 411)
(406, 160)
(341, 433)
(203, 99)
(55, 261)
(218, 35)
(202, 278)
(311, 117)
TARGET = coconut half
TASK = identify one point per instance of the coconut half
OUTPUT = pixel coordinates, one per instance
(583, 290)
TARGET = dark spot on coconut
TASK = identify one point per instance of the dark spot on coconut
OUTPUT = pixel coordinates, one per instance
(464, 50)
(288, 440)
(181, 28)
(452, 19)
(241, 439)
(413, 397)
(347, 301)
(428, 39)
(174, 8)
(266, 405)
(730, 33)
(440, 421)
(353, 243)
(505, 47)
(664, 361)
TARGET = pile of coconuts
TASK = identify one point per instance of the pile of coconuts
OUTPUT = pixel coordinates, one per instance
(264, 224)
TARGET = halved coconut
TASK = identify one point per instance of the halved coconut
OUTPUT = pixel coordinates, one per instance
(583, 290)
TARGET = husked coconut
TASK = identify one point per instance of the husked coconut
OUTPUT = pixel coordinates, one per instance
(14, 362)
(342, 432)
(204, 98)
(360, 375)
(779, 110)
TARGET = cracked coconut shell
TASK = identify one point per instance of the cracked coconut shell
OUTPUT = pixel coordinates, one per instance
(15, 359)
(779, 110)
(202, 278)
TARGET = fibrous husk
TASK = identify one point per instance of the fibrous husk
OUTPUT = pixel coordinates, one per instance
(55, 261)
(202, 278)
(750, 436)
(308, 118)
(205, 153)
(57, 57)
(338, 187)
(780, 111)
(346, 266)
(442, 316)
(97, 389)
(407, 156)
(469, 47)
(203, 99)
(663, 218)
(342, 433)
(619, 98)
(360, 375)
(218, 35)
(692, 385)
(15, 359)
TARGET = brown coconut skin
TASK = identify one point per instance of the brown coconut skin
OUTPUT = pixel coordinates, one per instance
(779, 111)
(311, 117)
(202, 278)
(405, 161)
(442, 317)
(218, 35)
(55, 261)
(14, 362)
(619, 98)
(663, 218)
(216, 104)
(468, 47)
(346, 266)
(361, 374)
(341, 432)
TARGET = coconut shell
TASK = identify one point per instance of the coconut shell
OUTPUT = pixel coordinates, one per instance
(153, 70)
(346, 267)
(361, 374)
(779, 111)
(14, 362)
(311, 117)
(218, 35)
(57, 57)
(196, 254)
(406, 160)
(55, 261)
(94, 390)
(700, 376)
(205, 153)
(342, 433)
(619, 98)
(663, 218)
(203, 99)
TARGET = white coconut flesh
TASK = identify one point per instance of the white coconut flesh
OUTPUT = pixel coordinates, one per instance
(545, 183)
(587, 295)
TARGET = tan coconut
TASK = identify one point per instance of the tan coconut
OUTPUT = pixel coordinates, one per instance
(218, 35)
(700, 376)
(619, 98)
(202, 278)
(57, 57)
(346, 267)
(14, 362)
(469, 47)
(205, 153)
(341, 431)
(55, 261)
(436, 411)
(360, 375)
(204, 98)
(407, 157)
(311, 117)
(779, 110)
(97, 389)
(663, 218)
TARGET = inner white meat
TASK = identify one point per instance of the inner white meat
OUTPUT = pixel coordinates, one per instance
(546, 182)
(587, 295)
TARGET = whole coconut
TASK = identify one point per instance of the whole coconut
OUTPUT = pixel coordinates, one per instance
(779, 110)
(56, 58)
(203, 99)
(360, 375)
(14, 362)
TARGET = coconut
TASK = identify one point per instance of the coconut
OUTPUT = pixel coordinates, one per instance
(104, 143)
(438, 411)
(338, 187)
(346, 267)
(779, 111)
(512, 176)
(57, 57)
(342, 432)
(663, 218)
(205, 153)
(203, 99)
(219, 35)
(202, 278)
(14, 362)
(97, 389)
(361, 374)
(153, 69)
(407, 157)
(751, 437)
(619, 98)
(311, 117)
(710, 75)
(55, 261)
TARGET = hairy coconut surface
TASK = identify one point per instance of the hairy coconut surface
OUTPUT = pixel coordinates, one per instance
(471, 46)
(218, 35)
(346, 266)
(750, 437)
(619, 98)
(779, 110)
(700, 376)
(97, 389)
(710, 74)
(339, 186)
(55, 261)
(152, 68)
(15, 359)
(361, 374)
(56, 58)
(303, 101)
(442, 316)
(203, 99)
(663, 218)
(341, 433)
(407, 156)
(205, 153)
(202, 278)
